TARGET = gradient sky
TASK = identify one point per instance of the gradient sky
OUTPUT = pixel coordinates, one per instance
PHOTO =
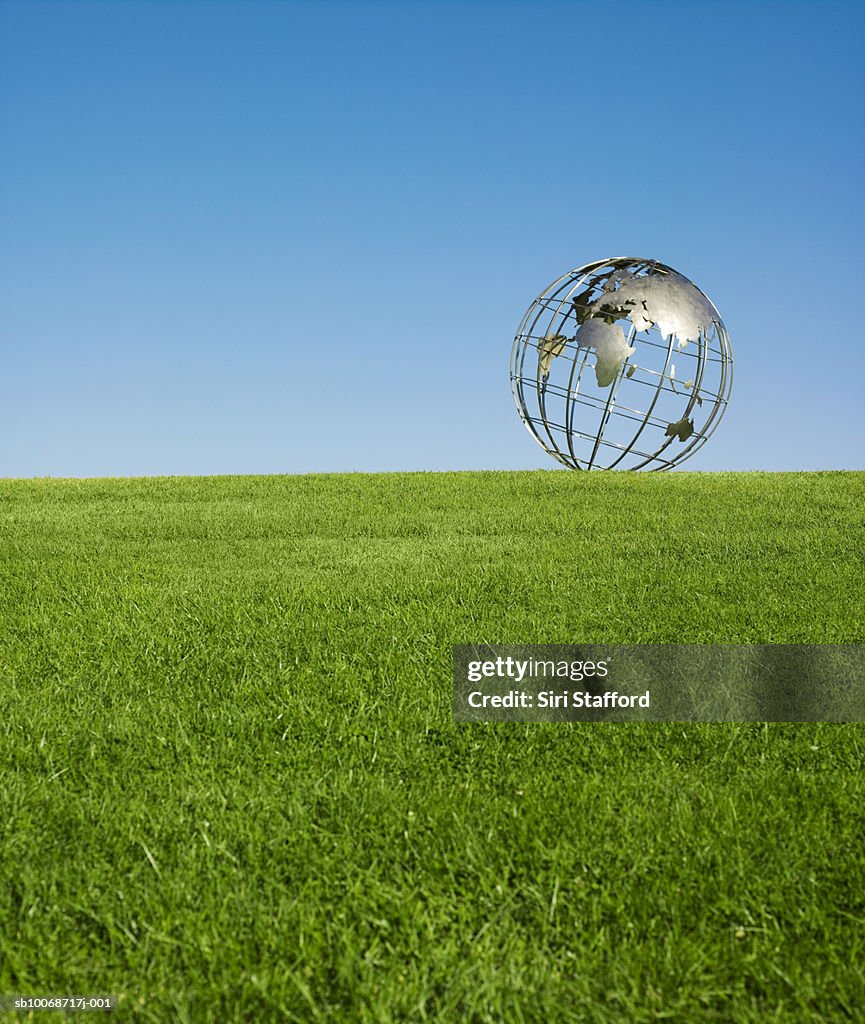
(293, 237)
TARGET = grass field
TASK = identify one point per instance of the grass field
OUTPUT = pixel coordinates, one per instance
(232, 789)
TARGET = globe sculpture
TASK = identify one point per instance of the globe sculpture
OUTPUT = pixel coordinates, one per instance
(623, 364)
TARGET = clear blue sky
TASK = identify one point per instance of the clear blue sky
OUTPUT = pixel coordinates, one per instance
(289, 237)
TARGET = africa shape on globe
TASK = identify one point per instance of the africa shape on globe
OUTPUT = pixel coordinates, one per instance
(623, 363)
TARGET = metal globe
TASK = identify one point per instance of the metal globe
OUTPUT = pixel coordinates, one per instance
(621, 364)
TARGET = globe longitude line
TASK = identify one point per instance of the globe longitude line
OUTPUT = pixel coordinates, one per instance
(701, 436)
(566, 278)
(605, 416)
(662, 376)
(519, 351)
(720, 403)
(569, 403)
(611, 398)
(722, 397)
(518, 356)
(695, 390)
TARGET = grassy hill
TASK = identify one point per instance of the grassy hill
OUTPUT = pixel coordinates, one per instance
(231, 787)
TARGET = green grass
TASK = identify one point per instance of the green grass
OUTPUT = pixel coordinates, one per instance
(232, 789)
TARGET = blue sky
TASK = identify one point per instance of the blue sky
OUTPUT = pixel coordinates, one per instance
(295, 237)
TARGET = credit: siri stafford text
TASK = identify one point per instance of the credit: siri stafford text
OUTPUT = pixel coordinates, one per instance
(558, 699)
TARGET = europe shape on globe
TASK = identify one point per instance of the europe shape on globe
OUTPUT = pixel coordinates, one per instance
(624, 364)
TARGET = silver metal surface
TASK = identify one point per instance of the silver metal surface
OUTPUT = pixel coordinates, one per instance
(621, 363)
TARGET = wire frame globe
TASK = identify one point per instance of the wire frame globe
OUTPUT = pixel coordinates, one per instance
(621, 364)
